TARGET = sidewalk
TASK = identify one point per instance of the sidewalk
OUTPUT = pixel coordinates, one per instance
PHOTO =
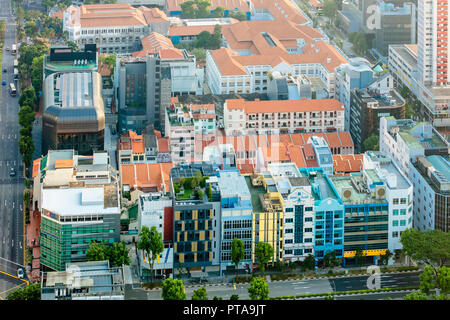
(33, 234)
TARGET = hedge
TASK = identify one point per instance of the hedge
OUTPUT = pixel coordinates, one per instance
(343, 293)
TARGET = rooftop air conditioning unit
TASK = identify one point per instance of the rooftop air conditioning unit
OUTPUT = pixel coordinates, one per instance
(380, 192)
(347, 193)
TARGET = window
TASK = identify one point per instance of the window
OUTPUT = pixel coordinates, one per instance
(289, 230)
(395, 234)
(308, 250)
(287, 251)
(289, 220)
(287, 241)
(308, 240)
(308, 229)
(403, 212)
(298, 252)
(402, 223)
(395, 200)
(395, 223)
(395, 212)
(309, 219)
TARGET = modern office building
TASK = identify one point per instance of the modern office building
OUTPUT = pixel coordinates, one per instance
(328, 214)
(405, 140)
(64, 59)
(197, 218)
(147, 81)
(356, 74)
(298, 218)
(237, 218)
(78, 198)
(155, 210)
(398, 193)
(431, 178)
(367, 107)
(93, 280)
(73, 116)
(267, 204)
(275, 116)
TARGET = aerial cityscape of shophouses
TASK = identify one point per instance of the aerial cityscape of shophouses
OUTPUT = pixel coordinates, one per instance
(270, 127)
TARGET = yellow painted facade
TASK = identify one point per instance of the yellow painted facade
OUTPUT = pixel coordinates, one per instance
(368, 253)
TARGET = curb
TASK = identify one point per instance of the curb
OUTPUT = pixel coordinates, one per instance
(343, 295)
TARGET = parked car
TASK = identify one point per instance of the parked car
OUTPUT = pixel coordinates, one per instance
(12, 172)
(20, 273)
(7, 48)
(4, 70)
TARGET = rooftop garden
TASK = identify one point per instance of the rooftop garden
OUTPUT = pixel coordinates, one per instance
(191, 188)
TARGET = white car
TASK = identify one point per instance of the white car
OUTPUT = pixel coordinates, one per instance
(20, 273)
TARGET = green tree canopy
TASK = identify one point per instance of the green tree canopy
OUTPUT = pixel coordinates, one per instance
(258, 290)
(263, 252)
(219, 12)
(417, 295)
(372, 143)
(150, 240)
(200, 294)
(173, 289)
(31, 292)
(330, 9)
(28, 94)
(238, 15)
(37, 73)
(237, 252)
(431, 247)
(117, 254)
(26, 116)
(188, 10)
(330, 259)
(309, 262)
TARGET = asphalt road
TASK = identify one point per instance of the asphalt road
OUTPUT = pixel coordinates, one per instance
(11, 188)
(299, 287)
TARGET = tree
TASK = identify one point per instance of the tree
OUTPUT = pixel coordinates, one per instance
(151, 242)
(417, 295)
(330, 259)
(309, 263)
(216, 37)
(431, 247)
(258, 290)
(173, 289)
(200, 294)
(72, 45)
(200, 54)
(118, 254)
(372, 143)
(237, 252)
(26, 116)
(384, 259)
(26, 148)
(263, 252)
(409, 111)
(96, 252)
(28, 94)
(31, 292)
(359, 256)
(187, 9)
(238, 15)
(234, 297)
(330, 9)
(203, 8)
(37, 73)
(110, 61)
(427, 280)
(219, 12)
(31, 28)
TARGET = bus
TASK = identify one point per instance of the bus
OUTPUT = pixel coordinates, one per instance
(16, 74)
(12, 90)
(16, 63)
(13, 50)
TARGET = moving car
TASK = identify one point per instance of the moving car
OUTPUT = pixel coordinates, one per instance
(20, 273)
(7, 48)
(12, 172)
(4, 70)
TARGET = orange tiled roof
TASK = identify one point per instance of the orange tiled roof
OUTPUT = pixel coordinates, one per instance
(228, 66)
(259, 106)
(316, 3)
(104, 15)
(59, 15)
(281, 10)
(190, 30)
(348, 163)
(174, 5)
(154, 14)
(146, 175)
(163, 144)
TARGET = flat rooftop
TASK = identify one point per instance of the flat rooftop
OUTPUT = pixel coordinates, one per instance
(81, 201)
(255, 191)
(233, 184)
(406, 55)
(343, 183)
(320, 185)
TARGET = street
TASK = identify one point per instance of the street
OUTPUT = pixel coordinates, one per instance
(11, 188)
(300, 287)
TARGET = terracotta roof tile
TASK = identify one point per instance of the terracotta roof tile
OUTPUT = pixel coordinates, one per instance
(174, 5)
